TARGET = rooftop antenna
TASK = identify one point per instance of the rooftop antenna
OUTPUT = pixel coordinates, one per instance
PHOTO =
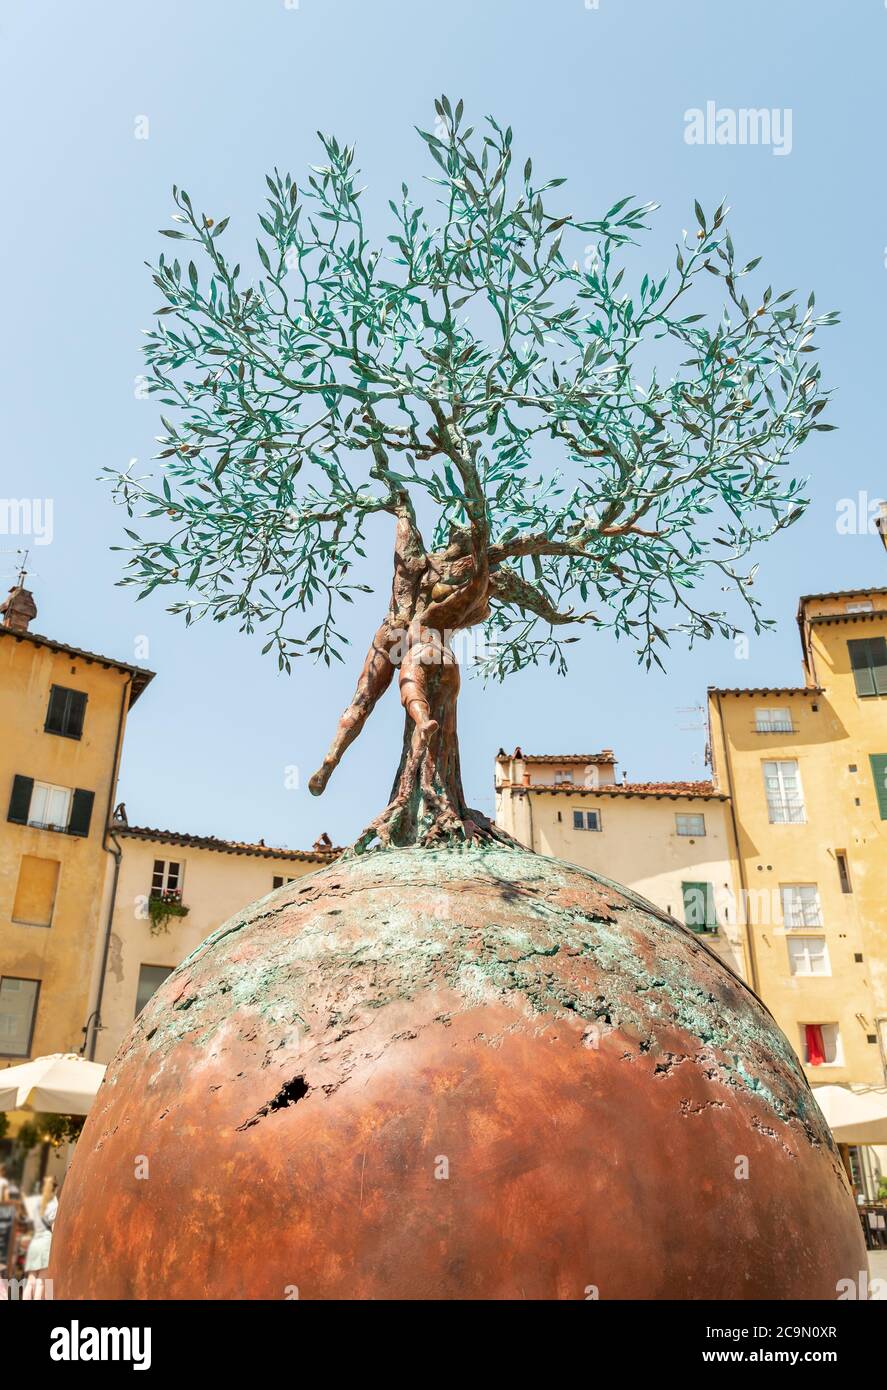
(24, 568)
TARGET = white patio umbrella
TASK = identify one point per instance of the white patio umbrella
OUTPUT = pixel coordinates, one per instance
(61, 1084)
(854, 1116)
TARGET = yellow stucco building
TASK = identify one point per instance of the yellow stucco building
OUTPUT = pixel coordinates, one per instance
(94, 913)
(63, 713)
(805, 769)
(781, 859)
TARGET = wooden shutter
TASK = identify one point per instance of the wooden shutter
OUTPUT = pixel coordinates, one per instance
(55, 714)
(699, 906)
(879, 773)
(868, 661)
(20, 800)
(65, 712)
(693, 900)
(81, 812)
(76, 711)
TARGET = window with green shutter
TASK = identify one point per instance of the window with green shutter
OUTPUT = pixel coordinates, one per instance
(20, 799)
(699, 906)
(65, 712)
(879, 773)
(81, 812)
(868, 662)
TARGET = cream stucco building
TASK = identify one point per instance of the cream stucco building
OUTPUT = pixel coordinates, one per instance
(211, 878)
(670, 841)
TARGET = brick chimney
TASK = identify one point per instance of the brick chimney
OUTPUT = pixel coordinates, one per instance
(18, 609)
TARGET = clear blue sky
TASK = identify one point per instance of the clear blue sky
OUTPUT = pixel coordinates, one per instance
(230, 89)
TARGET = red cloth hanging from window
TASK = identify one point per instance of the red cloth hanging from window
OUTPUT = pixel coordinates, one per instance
(815, 1044)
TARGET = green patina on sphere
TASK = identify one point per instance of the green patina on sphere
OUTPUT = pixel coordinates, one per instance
(456, 1073)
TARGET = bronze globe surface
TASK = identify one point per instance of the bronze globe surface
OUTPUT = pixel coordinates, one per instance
(455, 1074)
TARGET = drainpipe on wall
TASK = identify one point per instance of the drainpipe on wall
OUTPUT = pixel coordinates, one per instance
(743, 884)
(96, 1015)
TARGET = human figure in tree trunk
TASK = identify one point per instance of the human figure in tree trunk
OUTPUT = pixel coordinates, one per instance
(577, 444)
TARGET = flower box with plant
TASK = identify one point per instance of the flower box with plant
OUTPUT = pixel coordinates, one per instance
(162, 905)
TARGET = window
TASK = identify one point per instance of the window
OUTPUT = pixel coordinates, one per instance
(864, 606)
(65, 713)
(18, 1009)
(868, 662)
(35, 891)
(48, 807)
(808, 955)
(151, 977)
(279, 880)
(879, 773)
(800, 905)
(689, 825)
(167, 877)
(699, 906)
(586, 820)
(843, 871)
(821, 1044)
(774, 719)
(785, 798)
(565, 776)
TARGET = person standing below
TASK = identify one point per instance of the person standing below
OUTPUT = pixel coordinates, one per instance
(37, 1258)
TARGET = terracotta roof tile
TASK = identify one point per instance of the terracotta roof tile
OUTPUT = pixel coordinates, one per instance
(175, 837)
(703, 790)
(765, 690)
(606, 755)
(140, 675)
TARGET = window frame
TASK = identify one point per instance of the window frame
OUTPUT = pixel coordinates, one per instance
(686, 816)
(798, 943)
(771, 723)
(150, 965)
(711, 924)
(875, 670)
(784, 803)
(23, 980)
(787, 888)
(67, 691)
(60, 827)
(842, 864)
(838, 1040)
(165, 886)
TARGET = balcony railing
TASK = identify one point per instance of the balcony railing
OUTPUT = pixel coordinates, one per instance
(786, 812)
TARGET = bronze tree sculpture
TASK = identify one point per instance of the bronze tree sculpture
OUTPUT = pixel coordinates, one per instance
(570, 441)
(473, 1074)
